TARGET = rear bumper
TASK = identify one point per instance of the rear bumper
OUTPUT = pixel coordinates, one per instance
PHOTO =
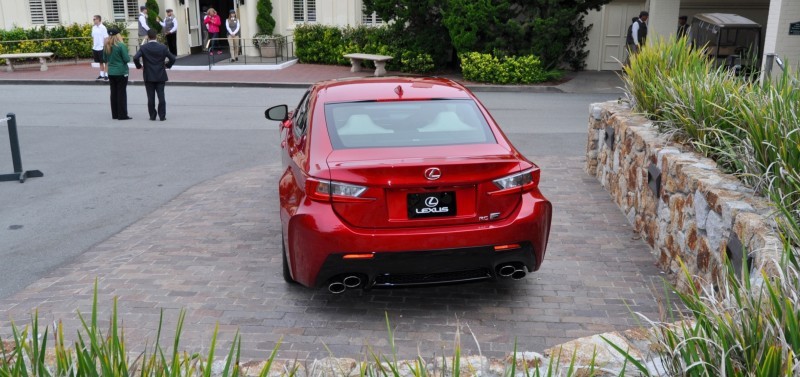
(414, 268)
(316, 240)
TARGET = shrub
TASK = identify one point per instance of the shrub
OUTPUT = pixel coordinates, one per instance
(65, 42)
(503, 70)
(322, 44)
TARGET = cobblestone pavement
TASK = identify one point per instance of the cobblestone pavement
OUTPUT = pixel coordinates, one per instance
(214, 250)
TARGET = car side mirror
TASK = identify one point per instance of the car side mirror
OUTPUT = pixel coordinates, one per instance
(279, 113)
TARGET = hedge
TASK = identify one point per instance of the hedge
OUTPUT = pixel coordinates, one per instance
(486, 68)
(65, 42)
(321, 44)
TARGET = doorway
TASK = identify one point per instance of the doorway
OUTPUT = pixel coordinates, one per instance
(198, 34)
(616, 19)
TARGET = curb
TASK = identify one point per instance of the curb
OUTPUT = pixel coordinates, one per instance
(472, 87)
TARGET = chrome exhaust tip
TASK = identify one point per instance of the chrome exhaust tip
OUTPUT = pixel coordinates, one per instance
(336, 287)
(506, 270)
(351, 281)
(518, 274)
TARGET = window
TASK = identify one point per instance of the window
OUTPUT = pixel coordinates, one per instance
(305, 10)
(44, 12)
(369, 19)
(125, 10)
(406, 124)
(300, 116)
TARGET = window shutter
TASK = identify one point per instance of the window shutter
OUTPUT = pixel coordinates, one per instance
(51, 11)
(133, 9)
(312, 10)
(298, 11)
(119, 10)
(37, 12)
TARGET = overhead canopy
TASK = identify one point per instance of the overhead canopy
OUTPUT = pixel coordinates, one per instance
(725, 20)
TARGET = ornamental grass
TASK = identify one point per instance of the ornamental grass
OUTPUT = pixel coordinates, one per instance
(748, 326)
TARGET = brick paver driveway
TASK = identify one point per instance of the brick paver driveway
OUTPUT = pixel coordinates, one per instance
(215, 250)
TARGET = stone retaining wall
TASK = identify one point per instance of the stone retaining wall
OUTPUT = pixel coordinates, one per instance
(679, 202)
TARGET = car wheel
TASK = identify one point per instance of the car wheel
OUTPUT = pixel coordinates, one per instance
(287, 275)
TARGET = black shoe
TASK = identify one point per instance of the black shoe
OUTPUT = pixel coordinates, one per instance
(125, 118)
(152, 118)
(105, 78)
(99, 78)
(163, 119)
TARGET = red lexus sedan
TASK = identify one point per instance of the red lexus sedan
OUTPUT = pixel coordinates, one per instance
(401, 181)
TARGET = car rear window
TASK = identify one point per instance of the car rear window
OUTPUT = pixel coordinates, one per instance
(370, 124)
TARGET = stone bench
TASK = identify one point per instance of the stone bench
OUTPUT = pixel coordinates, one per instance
(379, 60)
(43, 56)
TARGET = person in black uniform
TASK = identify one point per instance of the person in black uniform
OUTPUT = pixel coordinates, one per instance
(637, 35)
(151, 56)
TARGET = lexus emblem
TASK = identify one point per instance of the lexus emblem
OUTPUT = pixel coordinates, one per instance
(431, 201)
(433, 174)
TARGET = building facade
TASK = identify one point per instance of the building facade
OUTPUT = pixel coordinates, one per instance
(606, 44)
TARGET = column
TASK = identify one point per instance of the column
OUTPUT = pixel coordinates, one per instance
(663, 19)
(777, 39)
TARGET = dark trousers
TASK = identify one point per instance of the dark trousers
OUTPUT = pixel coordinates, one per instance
(212, 40)
(119, 96)
(172, 43)
(154, 88)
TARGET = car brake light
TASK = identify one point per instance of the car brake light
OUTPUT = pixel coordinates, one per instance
(526, 179)
(334, 191)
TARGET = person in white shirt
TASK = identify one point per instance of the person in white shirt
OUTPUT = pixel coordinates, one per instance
(233, 26)
(170, 27)
(99, 35)
(143, 27)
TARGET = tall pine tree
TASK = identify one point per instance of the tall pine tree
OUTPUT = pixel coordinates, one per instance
(264, 20)
(152, 13)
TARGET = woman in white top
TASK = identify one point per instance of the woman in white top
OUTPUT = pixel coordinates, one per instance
(233, 25)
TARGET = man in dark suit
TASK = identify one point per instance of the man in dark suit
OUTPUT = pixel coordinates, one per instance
(152, 55)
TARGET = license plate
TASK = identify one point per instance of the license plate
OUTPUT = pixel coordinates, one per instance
(434, 204)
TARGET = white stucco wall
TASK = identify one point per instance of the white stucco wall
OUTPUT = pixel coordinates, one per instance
(778, 40)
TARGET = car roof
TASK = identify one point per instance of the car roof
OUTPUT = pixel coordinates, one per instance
(389, 89)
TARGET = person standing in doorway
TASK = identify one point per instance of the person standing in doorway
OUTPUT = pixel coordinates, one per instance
(234, 34)
(213, 23)
(99, 35)
(169, 27)
(152, 55)
(143, 27)
(637, 35)
(683, 28)
(115, 54)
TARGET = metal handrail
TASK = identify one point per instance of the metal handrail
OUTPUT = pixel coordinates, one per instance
(283, 52)
(773, 58)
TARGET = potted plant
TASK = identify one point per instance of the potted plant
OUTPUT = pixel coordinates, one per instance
(271, 45)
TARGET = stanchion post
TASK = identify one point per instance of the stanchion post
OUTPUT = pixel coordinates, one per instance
(18, 174)
(16, 158)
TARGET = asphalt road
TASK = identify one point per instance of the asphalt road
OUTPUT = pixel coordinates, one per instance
(102, 175)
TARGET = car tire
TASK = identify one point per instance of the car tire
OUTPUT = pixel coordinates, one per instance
(287, 274)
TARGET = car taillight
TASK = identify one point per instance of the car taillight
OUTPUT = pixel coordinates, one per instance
(334, 191)
(526, 180)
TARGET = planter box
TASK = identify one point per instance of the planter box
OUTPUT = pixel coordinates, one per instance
(677, 200)
(270, 51)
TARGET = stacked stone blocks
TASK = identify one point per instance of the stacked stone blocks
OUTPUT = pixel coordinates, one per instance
(696, 212)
